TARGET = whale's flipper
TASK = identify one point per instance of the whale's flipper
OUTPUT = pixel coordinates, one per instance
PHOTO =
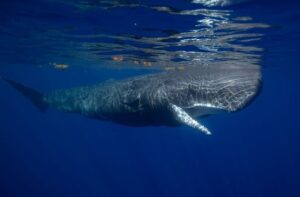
(186, 119)
(34, 96)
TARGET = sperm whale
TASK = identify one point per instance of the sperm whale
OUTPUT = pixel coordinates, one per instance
(170, 98)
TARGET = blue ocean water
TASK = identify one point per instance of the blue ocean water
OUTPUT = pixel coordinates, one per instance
(49, 44)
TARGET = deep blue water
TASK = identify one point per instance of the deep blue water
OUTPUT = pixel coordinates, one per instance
(253, 152)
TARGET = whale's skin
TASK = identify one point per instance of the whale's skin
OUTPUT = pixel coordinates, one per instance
(148, 100)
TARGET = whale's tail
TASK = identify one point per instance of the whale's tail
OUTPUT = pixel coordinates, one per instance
(34, 96)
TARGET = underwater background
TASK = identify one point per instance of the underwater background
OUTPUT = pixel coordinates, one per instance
(50, 44)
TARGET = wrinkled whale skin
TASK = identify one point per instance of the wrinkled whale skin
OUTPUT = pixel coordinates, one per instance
(155, 99)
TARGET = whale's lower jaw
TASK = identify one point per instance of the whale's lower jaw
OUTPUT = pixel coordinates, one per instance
(184, 118)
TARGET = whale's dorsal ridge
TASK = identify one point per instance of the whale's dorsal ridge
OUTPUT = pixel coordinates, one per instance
(184, 118)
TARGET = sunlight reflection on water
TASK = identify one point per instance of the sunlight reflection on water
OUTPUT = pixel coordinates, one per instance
(209, 35)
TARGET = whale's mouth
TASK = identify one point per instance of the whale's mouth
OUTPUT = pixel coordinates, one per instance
(204, 109)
